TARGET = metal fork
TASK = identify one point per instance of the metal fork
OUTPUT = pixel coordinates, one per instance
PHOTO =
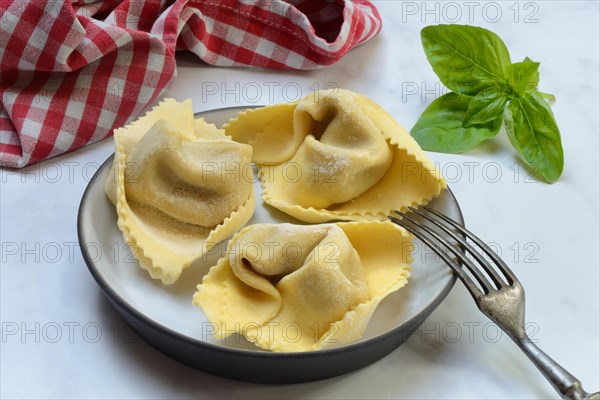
(496, 291)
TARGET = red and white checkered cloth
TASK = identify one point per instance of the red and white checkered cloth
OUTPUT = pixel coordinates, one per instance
(71, 73)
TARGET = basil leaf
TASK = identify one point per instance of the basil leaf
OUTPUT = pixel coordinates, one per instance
(550, 98)
(440, 126)
(486, 106)
(465, 58)
(535, 135)
(536, 76)
(509, 127)
(523, 77)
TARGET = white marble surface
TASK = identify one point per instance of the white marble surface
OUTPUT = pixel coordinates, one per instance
(61, 338)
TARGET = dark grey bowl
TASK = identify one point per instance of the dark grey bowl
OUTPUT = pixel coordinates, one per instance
(97, 230)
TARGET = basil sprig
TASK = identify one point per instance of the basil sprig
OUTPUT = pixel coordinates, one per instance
(487, 90)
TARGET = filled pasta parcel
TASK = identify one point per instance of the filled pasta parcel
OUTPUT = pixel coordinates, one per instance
(291, 288)
(335, 155)
(173, 187)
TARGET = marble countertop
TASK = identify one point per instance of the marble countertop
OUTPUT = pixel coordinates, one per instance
(62, 339)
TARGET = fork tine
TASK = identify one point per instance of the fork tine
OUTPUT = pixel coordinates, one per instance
(482, 261)
(466, 279)
(481, 279)
(506, 271)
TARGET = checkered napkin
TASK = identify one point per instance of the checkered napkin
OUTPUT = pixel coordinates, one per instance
(72, 72)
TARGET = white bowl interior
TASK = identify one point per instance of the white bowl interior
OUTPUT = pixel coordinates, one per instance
(171, 306)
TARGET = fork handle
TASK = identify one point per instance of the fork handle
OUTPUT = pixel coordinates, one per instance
(566, 384)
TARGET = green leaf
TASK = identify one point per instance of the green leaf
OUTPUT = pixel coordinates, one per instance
(509, 127)
(536, 76)
(486, 106)
(465, 58)
(550, 98)
(523, 77)
(440, 126)
(533, 132)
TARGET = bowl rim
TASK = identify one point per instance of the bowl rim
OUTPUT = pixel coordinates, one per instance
(246, 353)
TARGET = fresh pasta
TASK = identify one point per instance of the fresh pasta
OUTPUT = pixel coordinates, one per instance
(321, 281)
(174, 190)
(335, 155)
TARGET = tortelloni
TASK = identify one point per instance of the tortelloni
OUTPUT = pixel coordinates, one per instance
(180, 186)
(335, 155)
(294, 288)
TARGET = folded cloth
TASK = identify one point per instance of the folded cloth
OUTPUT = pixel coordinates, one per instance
(72, 72)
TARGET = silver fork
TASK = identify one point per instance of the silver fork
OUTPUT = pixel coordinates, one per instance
(500, 298)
